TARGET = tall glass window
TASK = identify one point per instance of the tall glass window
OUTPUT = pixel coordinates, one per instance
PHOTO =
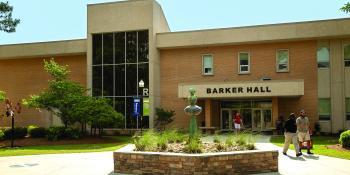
(120, 61)
(207, 67)
(323, 55)
(347, 103)
(347, 55)
(282, 57)
(244, 62)
(324, 109)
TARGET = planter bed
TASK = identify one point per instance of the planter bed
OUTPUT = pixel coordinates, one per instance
(126, 160)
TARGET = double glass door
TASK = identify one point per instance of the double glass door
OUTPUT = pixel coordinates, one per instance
(257, 119)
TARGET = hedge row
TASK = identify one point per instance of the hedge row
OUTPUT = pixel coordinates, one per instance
(52, 133)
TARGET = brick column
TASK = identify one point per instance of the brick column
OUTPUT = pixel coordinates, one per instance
(208, 109)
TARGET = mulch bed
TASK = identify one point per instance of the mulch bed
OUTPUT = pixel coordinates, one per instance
(44, 141)
(337, 147)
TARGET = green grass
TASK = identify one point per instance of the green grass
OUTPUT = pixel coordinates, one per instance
(319, 146)
(61, 149)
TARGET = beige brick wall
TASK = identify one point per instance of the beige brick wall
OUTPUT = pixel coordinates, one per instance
(184, 65)
(21, 77)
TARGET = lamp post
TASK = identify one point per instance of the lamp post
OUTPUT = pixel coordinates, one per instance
(141, 85)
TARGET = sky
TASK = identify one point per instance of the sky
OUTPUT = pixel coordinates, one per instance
(51, 20)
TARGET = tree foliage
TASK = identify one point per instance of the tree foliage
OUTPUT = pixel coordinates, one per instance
(2, 96)
(68, 100)
(346, 8)
(7, 23)
(164, 117)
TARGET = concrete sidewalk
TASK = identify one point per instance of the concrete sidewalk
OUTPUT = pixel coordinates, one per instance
(306, 164)
(58, 164)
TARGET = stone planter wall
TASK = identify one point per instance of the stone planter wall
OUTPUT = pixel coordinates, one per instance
(241, 162)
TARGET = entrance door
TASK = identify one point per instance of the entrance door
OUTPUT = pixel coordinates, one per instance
(226, 119)
(256, 119)
(266, 122)
(246, 115)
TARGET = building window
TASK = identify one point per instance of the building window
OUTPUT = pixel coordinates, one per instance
(347, 103)
(323, 56)
(207, 65)
(243, 62)
(324, 109)
(119, 62)
(282, 60)
(347, 55)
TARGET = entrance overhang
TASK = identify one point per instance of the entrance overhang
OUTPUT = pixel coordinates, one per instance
(268, 88)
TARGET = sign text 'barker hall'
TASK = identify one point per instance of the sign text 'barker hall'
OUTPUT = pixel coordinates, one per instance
(235, 90)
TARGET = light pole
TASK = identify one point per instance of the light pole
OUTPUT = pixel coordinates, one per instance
(141, 85)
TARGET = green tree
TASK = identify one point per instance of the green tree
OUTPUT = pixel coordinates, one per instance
(97, 113)
(346, 8)
(7, 23)
(164, 117)
(2, 96)
(61, 96)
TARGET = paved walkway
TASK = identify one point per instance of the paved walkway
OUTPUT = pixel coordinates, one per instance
(102, 163)
(306, 164)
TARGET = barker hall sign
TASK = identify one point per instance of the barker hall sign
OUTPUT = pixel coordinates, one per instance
(272, 88)
(238, 90)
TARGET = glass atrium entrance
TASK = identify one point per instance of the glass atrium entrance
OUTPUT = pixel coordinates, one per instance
(256, 115)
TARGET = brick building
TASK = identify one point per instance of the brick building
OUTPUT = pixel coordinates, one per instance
(260, 71)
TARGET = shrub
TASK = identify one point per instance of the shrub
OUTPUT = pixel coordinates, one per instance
(2, 134)
(345, 139)
(162, 142)
(164, 117)
(229, 141)
(148, 142)
(241, 140)
(19, 132)
(193, 146)
(71, 133)
(172, 135)
(55, 133)
(30, 127)
(216, 139)
(38, 132)
(250, 146)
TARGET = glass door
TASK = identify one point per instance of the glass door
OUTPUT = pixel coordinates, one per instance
(226, 119)
(246, 116)
(256, 119)
(266, 122)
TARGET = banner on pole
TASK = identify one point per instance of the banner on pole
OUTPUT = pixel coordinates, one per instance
(137, 107)
(145, 106)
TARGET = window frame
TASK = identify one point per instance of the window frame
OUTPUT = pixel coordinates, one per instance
(345, 44)
(277, 63)
(239, 64)
(212, 66)
(327, 45)
(330, 107)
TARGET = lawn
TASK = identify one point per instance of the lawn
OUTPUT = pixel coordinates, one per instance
(71, 148)
(320, 143)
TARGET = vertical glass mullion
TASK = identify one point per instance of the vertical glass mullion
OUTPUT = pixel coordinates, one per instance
(102, 68)
(113, 70)
(137, 64)
(125, 80)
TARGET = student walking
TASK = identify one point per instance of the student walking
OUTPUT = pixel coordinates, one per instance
(303, 126)
(290, 135)
(237, 122)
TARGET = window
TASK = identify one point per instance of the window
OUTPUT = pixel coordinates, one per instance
(207, 65)
(347, 103)
(119, 61)
(243, 62)
(282, 60)
(324, 109)
(347, 55)
(323, 56)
